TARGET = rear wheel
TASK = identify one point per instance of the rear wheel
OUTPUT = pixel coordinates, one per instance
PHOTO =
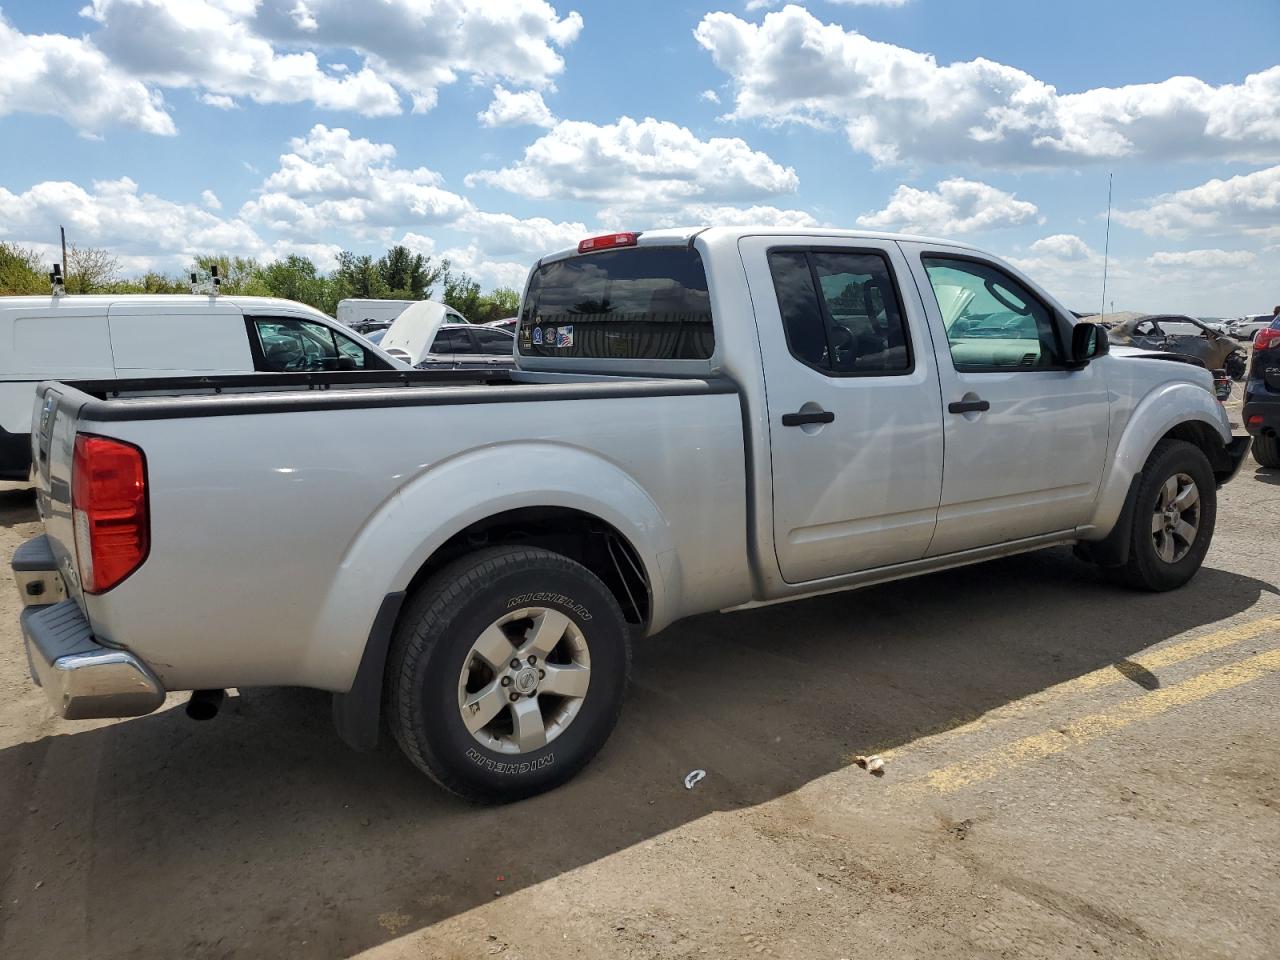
(1173, 518)
(507, 673)
(1266, 450)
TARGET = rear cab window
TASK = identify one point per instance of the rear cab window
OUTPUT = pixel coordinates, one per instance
(638, 303)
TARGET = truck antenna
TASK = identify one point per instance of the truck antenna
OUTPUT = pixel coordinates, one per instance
(1106, 249)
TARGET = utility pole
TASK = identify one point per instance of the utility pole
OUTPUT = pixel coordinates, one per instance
(1106, 252)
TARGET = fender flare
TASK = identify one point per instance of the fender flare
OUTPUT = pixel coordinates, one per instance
(401, 536)
(1162, 410)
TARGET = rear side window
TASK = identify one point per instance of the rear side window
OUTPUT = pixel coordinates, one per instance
(493, 342)
(840, 311)
(641, 303)
(453, 340)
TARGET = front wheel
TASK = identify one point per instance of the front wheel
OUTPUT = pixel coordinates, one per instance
(507, 673)
(1173, 518)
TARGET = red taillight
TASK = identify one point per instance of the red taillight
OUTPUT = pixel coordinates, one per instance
(1255, 421)
(109, 510)
(608, 242)
(1266, 339)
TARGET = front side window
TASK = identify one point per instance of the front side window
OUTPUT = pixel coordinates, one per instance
(840, 311)
(640, 303)
(290, 345)
(993, 322)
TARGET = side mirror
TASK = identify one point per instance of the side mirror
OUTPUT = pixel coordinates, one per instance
(1088, 341)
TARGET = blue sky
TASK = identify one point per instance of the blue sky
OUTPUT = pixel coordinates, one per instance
(490, 132)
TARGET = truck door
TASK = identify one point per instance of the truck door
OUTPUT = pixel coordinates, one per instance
(1026, 437)
(855, 422)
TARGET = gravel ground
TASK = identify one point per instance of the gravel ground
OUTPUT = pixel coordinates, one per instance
(1073, 770)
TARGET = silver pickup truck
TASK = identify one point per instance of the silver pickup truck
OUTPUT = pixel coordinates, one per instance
(699, 420)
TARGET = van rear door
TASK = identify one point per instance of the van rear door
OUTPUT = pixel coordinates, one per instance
(177, 339)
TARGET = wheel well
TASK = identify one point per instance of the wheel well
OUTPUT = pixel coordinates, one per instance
(1206, 438)
(590, 541)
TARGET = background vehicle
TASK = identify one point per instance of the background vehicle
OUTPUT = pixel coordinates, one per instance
(362, 315)
(701, 420)
(1248, 326)
(509, 324)
(101, 337)
(410, 336)
(458, 347)
(1262, 397)
(1185, 335)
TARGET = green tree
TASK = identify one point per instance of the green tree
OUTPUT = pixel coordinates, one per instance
(90, 269)
(498, 305)
(296, 278)
(462, 293)
(21, 271)
(239, 275)
(358, 276)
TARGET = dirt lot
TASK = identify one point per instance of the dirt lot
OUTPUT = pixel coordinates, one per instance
(1073, 770)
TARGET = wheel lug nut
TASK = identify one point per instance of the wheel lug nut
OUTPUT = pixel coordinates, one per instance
(542, 674)
(506, 681)
(514, 696)
(532, 661)
(515, 664)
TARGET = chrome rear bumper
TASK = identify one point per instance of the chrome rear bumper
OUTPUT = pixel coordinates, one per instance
(82, 678)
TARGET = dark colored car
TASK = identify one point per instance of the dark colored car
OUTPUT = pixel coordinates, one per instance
(1173, 333)
(1262, 397)
(464, 346)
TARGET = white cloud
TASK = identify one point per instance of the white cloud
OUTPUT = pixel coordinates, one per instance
(70, 78)
(1248, 204)
(140, 228)
(1203, 259)
(505, 235)
(900, 106)
(488, 273)
(648, 165)
(210, 200)
(956, 206)
(710, 96)
(707, 214)
(766, 4)
(218, 101)
(510, 109)
(1064, 247)
(269, 51)
(332, 180)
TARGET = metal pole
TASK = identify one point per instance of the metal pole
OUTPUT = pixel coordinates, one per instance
(63, 231)
(1106, 250)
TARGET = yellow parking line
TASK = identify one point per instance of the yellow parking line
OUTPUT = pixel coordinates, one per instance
(956, 776)
(1106, 676)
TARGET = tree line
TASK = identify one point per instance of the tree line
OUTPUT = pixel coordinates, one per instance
(399, 274)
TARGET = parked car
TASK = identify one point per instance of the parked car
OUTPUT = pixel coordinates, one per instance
(101, 337)
(364, 315)
(1262, 396)
(1248, 326)
(700, 420)
(1185, 335)
(458, 347)
(509, 324)
(411, 335)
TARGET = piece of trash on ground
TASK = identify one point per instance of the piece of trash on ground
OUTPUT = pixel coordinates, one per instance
(873, 764)
(693, 777)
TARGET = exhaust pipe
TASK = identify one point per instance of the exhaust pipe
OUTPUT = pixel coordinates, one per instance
(204, 704)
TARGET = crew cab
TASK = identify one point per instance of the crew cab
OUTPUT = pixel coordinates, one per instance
(129, 336)
(699, 420)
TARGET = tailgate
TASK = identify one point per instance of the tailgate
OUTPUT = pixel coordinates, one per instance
(53, 436)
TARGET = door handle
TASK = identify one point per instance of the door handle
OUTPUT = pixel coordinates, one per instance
(968, 406)
(800, 419)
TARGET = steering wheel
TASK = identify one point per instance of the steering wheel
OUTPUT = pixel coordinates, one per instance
(841, 333)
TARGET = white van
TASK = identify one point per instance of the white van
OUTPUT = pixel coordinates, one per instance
(352, 312)
(112, 337)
